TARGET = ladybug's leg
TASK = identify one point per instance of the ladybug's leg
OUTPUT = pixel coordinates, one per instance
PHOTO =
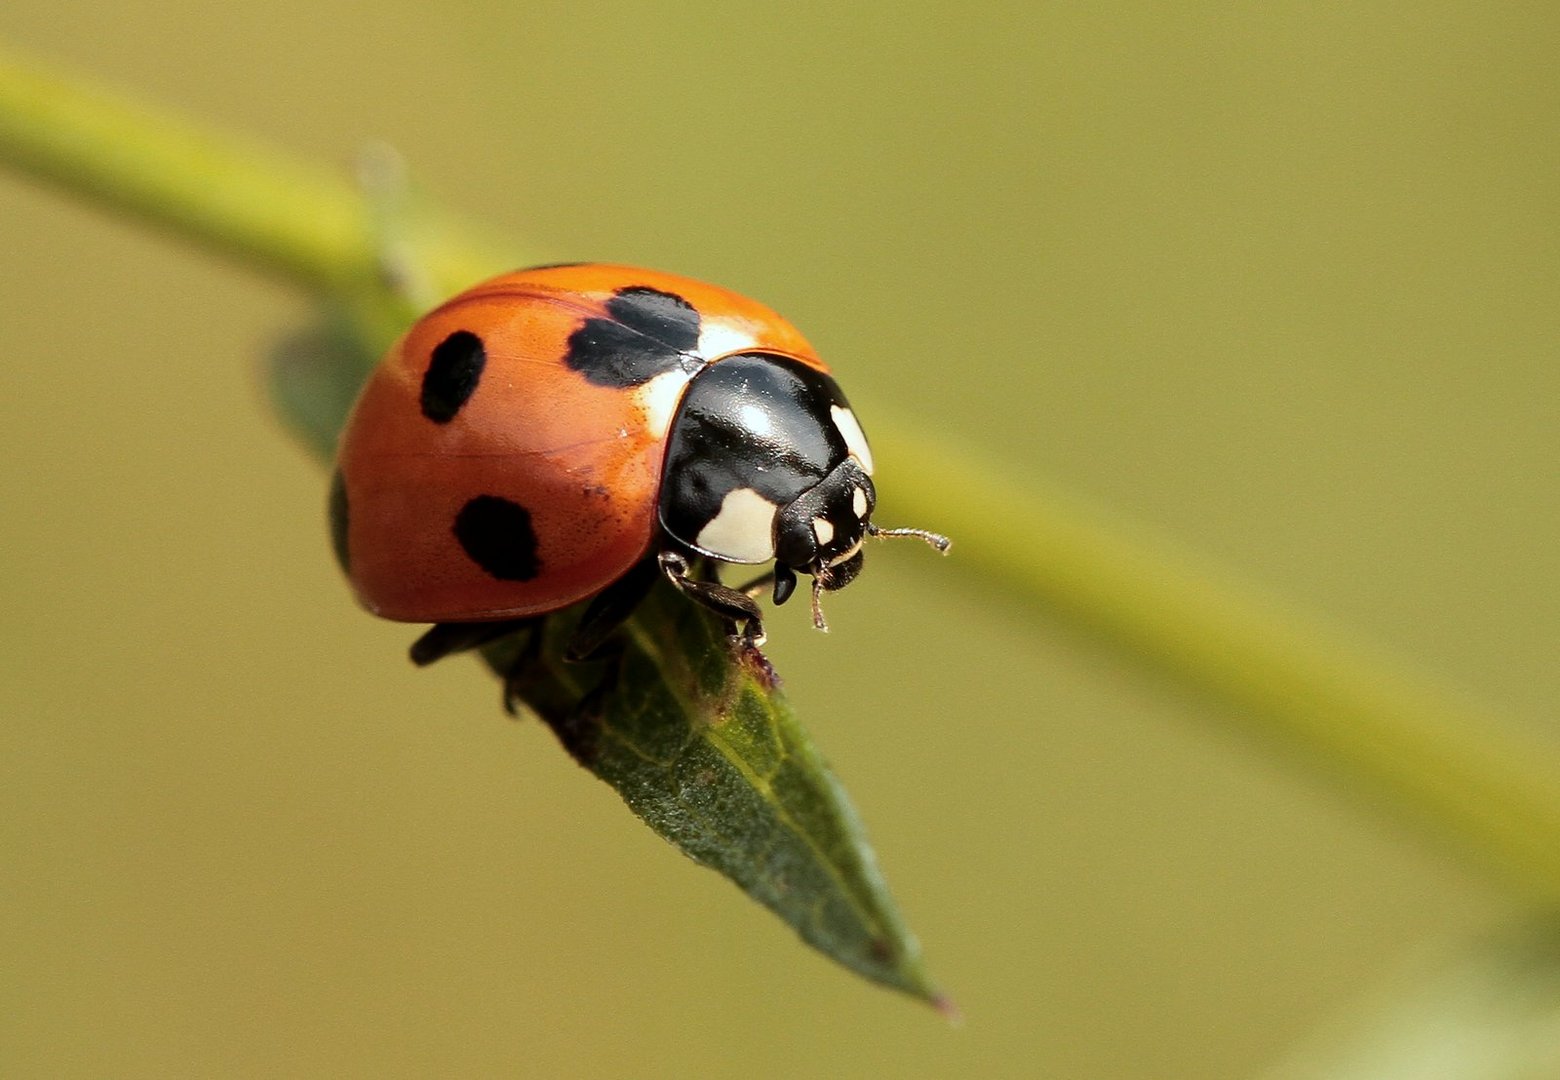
(446, 639)
(518, 689)
(607, 612)
(732, 605)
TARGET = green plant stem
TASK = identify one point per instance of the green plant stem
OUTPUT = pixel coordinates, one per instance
(307, 224)
(1398, 741)
(1465, 779)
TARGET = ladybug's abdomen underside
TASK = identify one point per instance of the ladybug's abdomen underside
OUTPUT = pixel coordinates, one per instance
(505, 458)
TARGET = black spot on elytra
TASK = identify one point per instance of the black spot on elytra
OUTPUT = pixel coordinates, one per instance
(647, 332)
(338, 520)
(497, 534)
(453, 372)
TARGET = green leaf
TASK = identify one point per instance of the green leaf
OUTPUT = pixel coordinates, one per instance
(692, 732)
(314, 376)
(700, 742)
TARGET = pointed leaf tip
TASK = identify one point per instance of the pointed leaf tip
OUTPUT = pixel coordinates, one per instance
(698, 740)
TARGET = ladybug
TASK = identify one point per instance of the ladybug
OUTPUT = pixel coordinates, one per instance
(574, 431)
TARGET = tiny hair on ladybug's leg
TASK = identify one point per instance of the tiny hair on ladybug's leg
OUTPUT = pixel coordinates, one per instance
(608, 611)
(446, 639)
(729, 604)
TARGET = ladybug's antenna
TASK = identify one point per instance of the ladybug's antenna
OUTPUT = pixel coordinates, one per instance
(937, 540)
(822, 576)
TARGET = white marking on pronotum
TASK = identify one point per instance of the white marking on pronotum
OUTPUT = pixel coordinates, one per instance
(717, 338)
(823, 529)
(855, 438)
(858, 502)
(659, 398)
(743, 531)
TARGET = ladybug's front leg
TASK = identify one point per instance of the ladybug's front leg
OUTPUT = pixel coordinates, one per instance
(736, 608)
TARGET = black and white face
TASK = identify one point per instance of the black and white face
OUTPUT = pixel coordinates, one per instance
(765, 461)
(822, 530)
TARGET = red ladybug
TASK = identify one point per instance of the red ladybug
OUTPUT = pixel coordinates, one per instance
(568, 432)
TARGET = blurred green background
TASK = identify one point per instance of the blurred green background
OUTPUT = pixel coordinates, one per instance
(1275, 281)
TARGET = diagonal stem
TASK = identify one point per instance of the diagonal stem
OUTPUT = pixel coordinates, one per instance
(1466, 780)
(1394, 740)
(300, 221)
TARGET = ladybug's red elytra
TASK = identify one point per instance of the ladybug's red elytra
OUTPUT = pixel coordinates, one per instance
(572, 431)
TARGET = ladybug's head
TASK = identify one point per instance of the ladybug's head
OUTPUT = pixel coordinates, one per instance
(765, 461)
(822, 530)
